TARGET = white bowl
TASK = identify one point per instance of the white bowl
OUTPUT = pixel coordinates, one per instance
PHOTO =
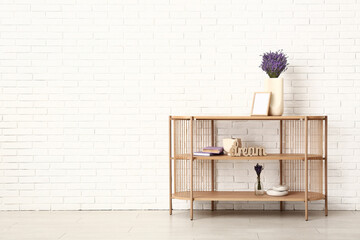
(274, 193)
(281, 188)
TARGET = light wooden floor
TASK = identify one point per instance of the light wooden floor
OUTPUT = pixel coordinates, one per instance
(123, 225)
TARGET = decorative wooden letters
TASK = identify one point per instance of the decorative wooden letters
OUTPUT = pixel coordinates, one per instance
(237, 151)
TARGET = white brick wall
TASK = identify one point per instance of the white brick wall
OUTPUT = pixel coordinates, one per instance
(86, 87)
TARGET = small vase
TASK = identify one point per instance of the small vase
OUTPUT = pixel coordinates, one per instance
(259, 187)
(276, 87)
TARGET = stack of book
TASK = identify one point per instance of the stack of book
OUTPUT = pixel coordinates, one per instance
(210, 151)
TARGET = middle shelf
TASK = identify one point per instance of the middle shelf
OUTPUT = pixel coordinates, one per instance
(278, 156)
(246, 196)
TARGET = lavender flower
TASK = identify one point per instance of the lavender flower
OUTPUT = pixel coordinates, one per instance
(274, 63)
(258, 168)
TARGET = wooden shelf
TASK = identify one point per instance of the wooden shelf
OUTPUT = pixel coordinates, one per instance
(297, 136)
(246, 196)
(283, 156)
(248, 117)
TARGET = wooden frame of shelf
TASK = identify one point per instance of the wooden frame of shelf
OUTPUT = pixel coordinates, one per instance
(284, 156)
(302, 160)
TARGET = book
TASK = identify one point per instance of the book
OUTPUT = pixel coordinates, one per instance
(206, 154)
(216, 150)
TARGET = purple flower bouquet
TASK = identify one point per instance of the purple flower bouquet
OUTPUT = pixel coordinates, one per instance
(274, 63)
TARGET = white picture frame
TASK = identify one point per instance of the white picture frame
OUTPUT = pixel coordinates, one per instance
(261, 104)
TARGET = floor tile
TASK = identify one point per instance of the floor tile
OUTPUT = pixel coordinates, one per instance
(158, 225)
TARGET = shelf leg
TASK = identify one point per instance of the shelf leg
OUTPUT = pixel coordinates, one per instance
(281, 202)
(281, 151)
(212, 182)
(191, 210)
(212, 164)
(170, 169)
(326, 206)
(191, 190)
(306, 169)
(170, 207)
(326, 151)
(191, 169)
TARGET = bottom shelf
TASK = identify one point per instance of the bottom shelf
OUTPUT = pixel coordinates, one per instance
(246, 196)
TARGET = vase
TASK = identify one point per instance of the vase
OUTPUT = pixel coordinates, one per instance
(229, 142)
(276, 87)
(259, 187)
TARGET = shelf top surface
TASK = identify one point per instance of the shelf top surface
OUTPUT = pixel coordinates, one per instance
(248, 117)
(246, 196)
(270, 156)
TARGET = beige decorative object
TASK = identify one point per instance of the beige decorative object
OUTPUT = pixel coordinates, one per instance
(229, 142)
(237, 151)
(276, 87)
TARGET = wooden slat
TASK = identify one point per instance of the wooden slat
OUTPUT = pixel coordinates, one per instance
(246, 196)
(180, 117)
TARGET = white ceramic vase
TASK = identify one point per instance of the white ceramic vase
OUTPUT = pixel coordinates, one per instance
(276, 87)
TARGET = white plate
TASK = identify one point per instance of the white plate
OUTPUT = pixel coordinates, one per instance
(274, 193)
(281, 188)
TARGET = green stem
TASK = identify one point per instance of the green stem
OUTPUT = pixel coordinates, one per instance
(258, 183)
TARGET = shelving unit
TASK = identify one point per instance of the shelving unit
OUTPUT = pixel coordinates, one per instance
(302, 160)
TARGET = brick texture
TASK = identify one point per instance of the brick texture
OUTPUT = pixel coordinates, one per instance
(86, 87)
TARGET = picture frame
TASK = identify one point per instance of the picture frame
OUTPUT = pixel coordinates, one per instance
(261, 104)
